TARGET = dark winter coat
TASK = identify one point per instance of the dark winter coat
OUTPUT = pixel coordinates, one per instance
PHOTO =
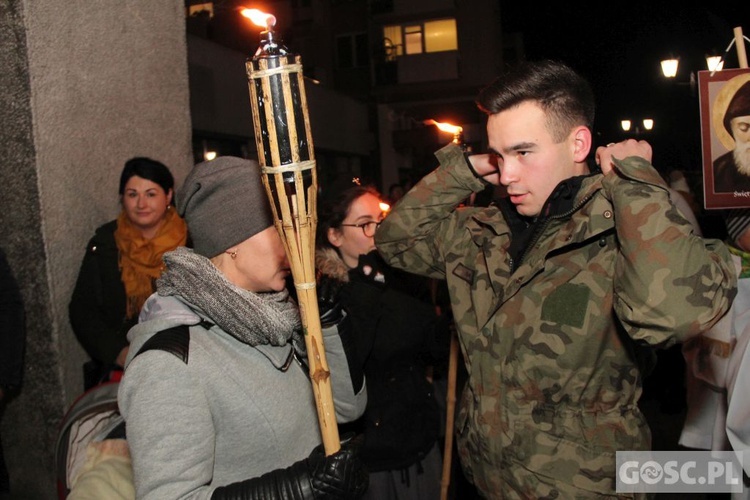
(398, 336)
(98, 306)
(552, 331)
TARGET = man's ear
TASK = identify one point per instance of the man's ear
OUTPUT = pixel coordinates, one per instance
(581, 143)
(334, 237)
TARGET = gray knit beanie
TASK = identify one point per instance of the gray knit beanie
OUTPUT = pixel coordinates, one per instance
(224, 203)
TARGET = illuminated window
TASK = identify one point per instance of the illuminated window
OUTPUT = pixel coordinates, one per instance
(440, 35)
(428, 36)
(392, 42)
(413, 39)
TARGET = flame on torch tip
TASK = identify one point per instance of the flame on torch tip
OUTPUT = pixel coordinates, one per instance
(384, 207)
(445, 127)
(259, 18)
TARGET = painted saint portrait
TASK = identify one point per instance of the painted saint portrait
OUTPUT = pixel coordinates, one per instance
(726, 146)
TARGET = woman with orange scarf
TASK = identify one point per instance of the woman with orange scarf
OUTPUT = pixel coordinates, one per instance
(122, 261)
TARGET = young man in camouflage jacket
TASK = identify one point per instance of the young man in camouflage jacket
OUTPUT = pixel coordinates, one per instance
(558, 289)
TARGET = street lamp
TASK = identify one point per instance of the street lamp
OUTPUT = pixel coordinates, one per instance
(669, 69)
(648, 124)
(715, 63)
(669, 66)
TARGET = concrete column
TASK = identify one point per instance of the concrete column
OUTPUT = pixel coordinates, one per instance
(86, 85)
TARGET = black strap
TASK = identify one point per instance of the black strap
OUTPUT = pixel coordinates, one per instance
(175, 340)
(118, 432)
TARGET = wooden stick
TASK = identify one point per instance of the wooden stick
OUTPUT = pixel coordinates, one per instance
(739, 41)
(449, 416)
(286, 156)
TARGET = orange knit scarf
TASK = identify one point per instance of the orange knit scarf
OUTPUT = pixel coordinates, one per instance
(140, 259)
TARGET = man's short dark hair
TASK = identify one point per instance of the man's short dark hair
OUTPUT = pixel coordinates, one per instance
(564, 95)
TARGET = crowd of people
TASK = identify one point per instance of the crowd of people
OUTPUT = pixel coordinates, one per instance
(561, 293)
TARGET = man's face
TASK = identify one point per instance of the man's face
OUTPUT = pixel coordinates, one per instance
(531, 163)
(740, 126)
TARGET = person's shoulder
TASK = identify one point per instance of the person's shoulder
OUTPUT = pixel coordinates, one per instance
(107, 228)
(161, 313)
(104, 237)
(329, 263)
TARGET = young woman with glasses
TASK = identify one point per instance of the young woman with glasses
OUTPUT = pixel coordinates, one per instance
(399, 335)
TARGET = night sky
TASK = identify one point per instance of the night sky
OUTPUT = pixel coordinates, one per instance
(618, 46)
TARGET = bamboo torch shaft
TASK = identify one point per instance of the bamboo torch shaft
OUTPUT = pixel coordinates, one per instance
(449, 417)
(285, 153)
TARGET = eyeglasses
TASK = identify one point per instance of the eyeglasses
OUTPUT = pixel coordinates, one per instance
(367, 227)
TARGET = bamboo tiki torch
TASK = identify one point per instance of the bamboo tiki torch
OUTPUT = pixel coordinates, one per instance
(287, 160)
(450, 397)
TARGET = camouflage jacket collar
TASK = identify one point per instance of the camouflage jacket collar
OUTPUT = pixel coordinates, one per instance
(524, 229)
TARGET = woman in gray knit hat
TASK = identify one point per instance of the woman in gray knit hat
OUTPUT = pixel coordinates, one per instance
(216, 398)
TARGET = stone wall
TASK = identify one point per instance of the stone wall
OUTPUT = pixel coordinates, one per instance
(86, 86)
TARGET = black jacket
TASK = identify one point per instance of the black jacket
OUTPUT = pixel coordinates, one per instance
(98, 306)
(398, 335)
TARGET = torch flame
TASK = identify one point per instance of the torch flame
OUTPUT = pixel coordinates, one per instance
(259, 18)
(445, 127)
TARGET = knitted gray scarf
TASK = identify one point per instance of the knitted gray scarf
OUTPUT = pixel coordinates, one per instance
(253, 318)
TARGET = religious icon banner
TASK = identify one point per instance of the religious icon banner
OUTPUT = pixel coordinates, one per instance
(725, 136)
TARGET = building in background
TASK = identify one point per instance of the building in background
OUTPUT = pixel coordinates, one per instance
(378, 72)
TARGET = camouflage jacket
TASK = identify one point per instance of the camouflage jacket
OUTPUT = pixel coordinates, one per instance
(552, 346)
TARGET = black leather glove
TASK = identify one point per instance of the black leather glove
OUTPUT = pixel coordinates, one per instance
(330, 304)
(329, 299)
(371, 269)
(340, 476)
